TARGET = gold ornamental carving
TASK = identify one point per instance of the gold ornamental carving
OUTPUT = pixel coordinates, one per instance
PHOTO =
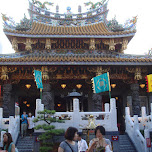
(92, 44)
(112, 45)
(137, 72)
(124, 44)
(101, 70)
(15, 44)
(28, 44)
(48, 44)
(110, 42)
(45, 75)
(4, 73)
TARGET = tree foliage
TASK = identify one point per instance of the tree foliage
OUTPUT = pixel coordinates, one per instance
(46, 138)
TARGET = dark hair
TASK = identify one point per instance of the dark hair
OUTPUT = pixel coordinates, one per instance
(8, 141)
(101, 129)
(70, 132)
(80, 134)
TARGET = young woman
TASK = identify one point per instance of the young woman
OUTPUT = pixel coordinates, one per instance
(30, 119)
(99, 142)
(8, 143)
(69, 145)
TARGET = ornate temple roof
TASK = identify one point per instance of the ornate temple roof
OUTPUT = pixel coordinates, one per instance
(43, 30)
(44, 23)
(56, 57)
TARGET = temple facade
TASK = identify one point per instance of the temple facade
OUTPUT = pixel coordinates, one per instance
(70, 49)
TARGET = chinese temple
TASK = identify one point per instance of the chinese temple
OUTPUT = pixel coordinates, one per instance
(70, 49)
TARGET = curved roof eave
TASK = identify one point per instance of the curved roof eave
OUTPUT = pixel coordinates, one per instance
(78, 63)
(69, 36)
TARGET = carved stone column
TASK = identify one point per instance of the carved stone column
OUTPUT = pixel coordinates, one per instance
(47, 97)
(8, 103)
(97, 100)
(135, 99)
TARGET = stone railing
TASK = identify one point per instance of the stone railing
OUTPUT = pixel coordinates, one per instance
(134, 126)
(12, 124)
(85, 120)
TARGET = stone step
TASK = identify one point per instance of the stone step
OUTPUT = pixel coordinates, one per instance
(125, 144)
(25, 144)
(127, 151)
(125, 147)
(27, 150)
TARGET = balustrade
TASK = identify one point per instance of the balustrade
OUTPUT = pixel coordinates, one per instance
(134, 126)
(83, 120)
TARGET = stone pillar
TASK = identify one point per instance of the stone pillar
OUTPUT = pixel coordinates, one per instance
(76, 117)
(71, 106)
(67, 107)
(135, 99)
(82, 106)
(129, 103)
(47, 97)
(150, 101)
(90, 103)
(8, 104)
(97, 100)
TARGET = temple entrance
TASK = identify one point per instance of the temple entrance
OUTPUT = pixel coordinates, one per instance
(25, 95)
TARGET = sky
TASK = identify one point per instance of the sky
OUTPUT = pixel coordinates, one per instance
(121, 9)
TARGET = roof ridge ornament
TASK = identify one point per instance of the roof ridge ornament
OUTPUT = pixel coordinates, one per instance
(114, 26)
(94, 5)
(42, 5)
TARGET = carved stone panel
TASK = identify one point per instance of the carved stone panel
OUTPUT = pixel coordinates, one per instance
(97, 100)
(135, 99)
(7, 106)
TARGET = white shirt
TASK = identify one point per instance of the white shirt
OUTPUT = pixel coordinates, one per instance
(30, 122)
(82, 145)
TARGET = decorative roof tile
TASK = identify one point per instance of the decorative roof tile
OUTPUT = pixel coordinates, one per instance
(45, 29)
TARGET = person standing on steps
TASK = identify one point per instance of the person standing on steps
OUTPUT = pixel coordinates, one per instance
(30, 119)
(24, 124)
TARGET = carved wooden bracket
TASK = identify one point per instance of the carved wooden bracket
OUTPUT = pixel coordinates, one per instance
(45, 75)
(110, 42)
(92, 44)
(48, 44)
(4, 73)
(28, 44)
(124, 44)
(137, 72)
(15, 44)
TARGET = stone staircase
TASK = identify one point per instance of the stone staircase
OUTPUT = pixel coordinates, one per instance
(125, 144)
(25, 144)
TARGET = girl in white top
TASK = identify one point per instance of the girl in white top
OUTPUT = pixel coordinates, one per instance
(30, 119)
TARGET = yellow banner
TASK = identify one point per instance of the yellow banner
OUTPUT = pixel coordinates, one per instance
(149, 78)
